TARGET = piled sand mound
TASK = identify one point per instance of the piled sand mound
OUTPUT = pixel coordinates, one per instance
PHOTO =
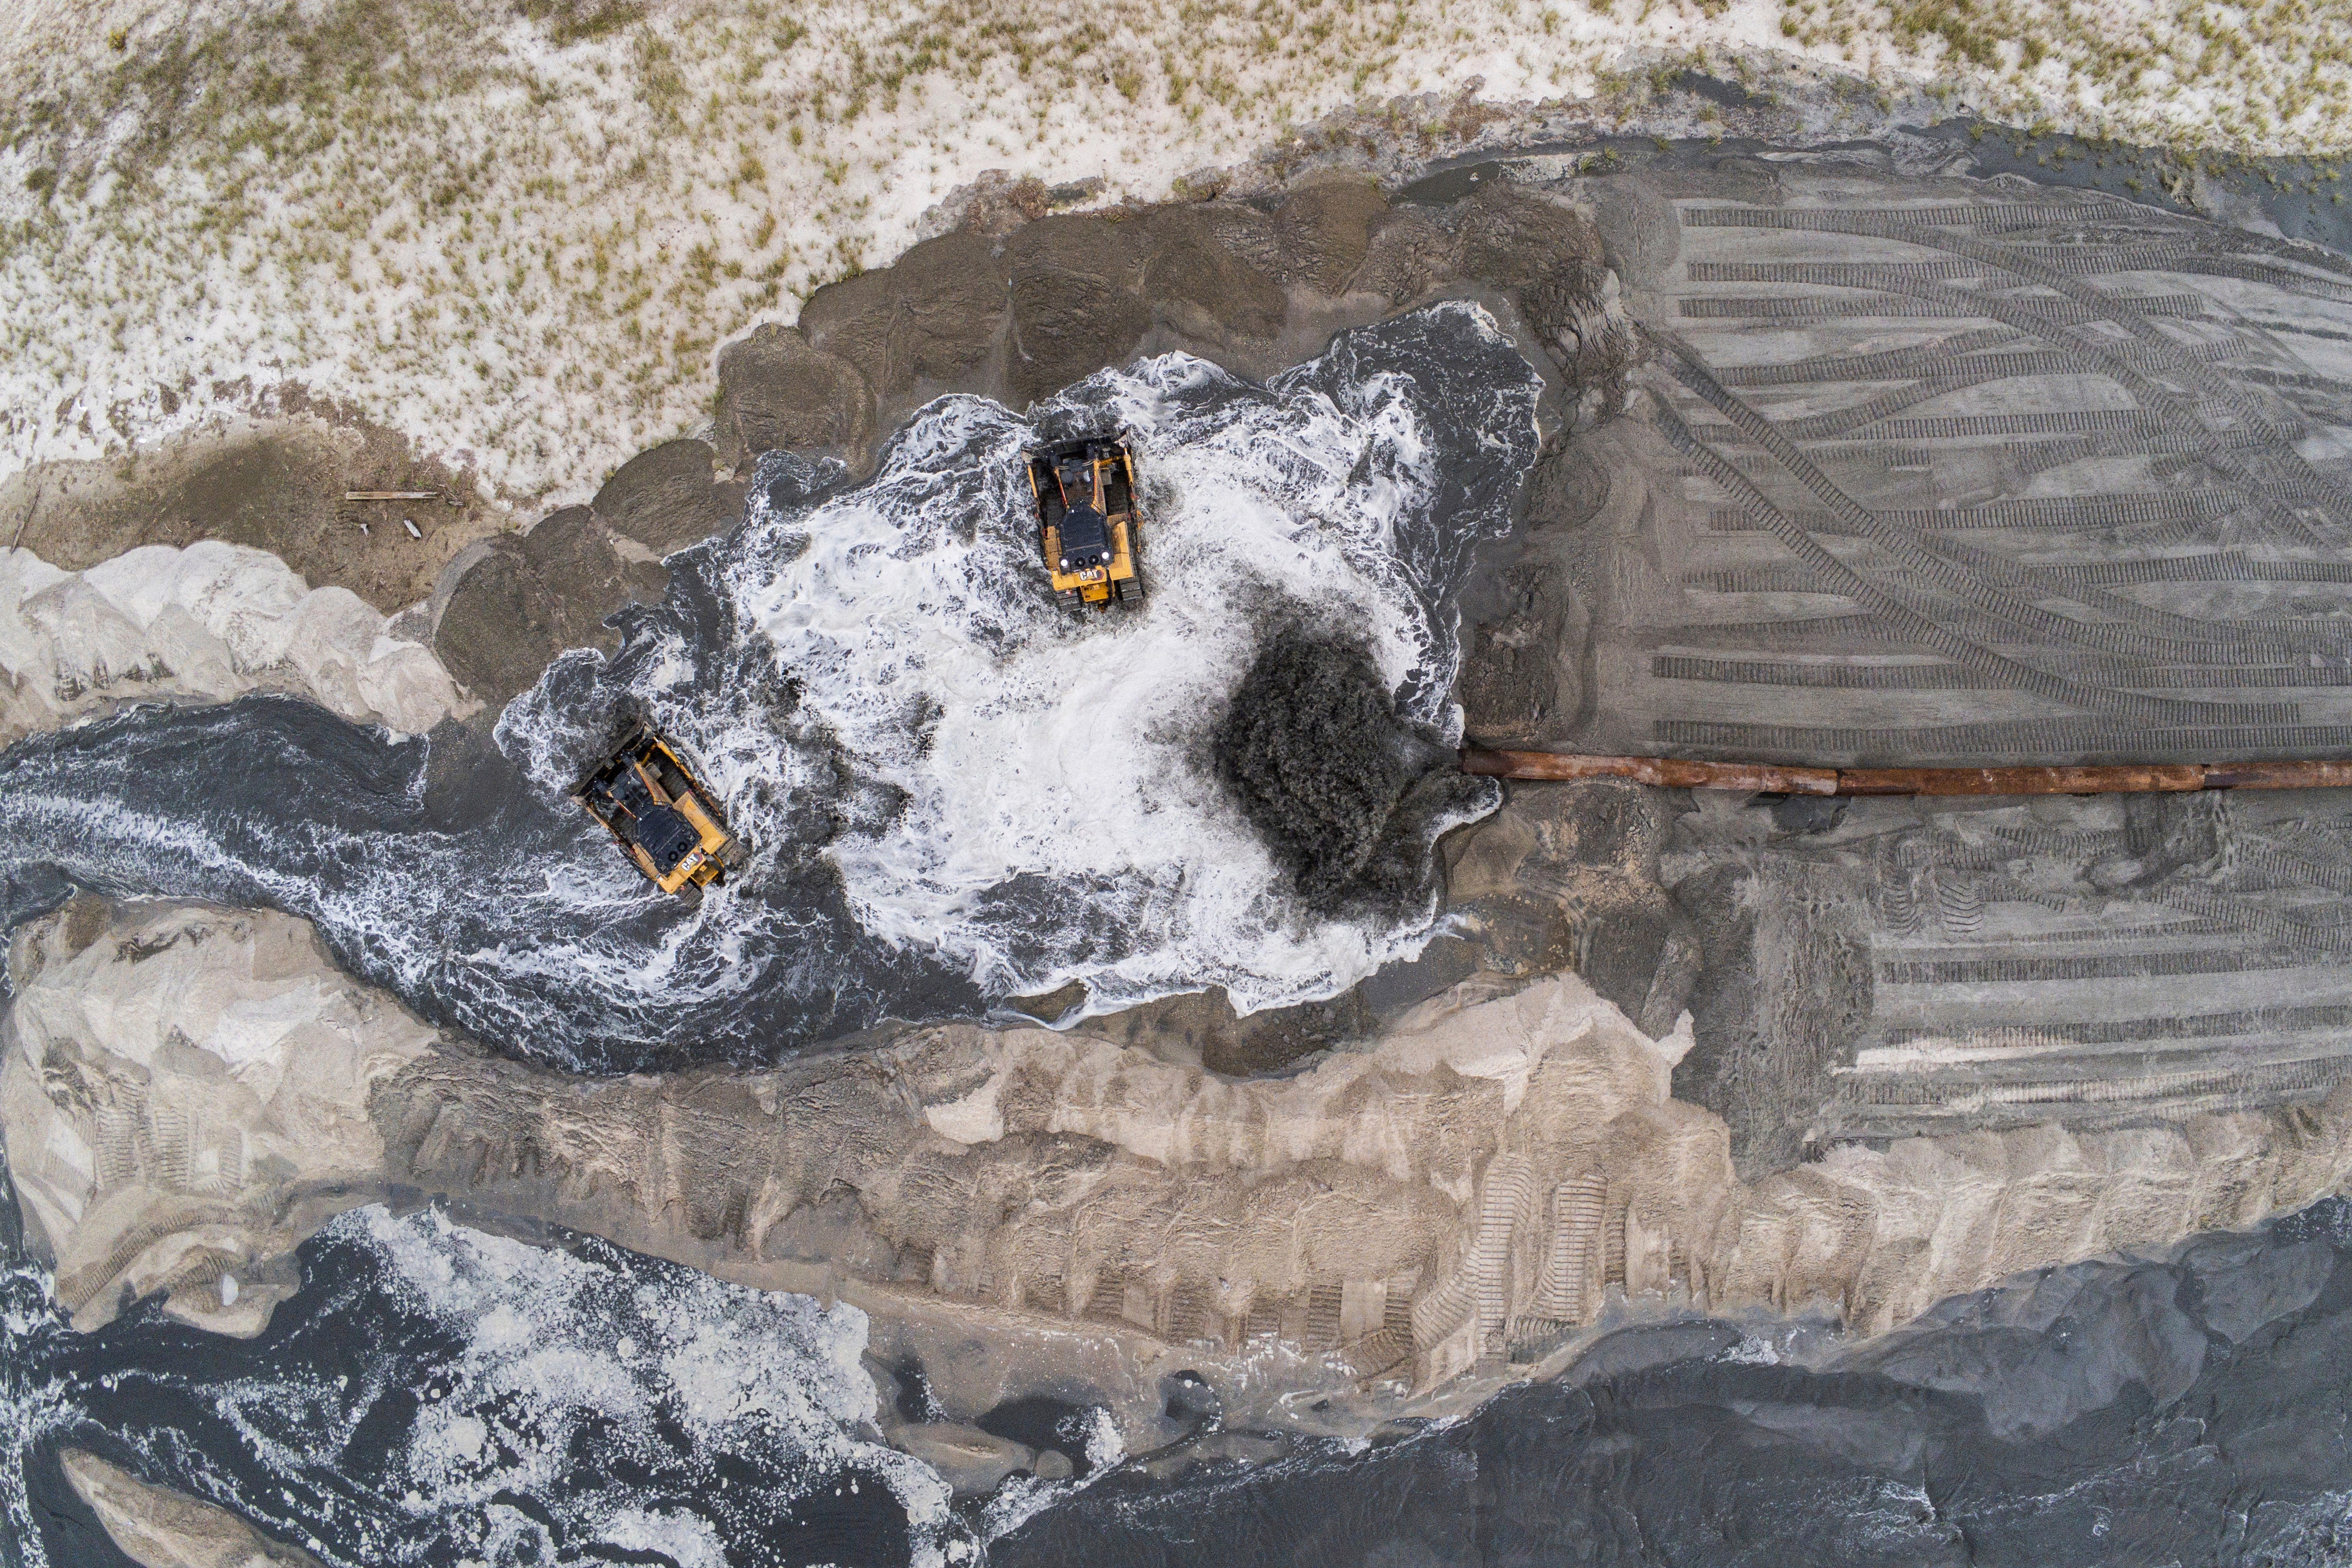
(160, 1528)
(185, 1097)
(205, 624)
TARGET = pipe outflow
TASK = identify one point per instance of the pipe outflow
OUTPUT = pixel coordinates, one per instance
(1767, 778)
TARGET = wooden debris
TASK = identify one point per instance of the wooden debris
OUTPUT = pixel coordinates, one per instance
(390, 495)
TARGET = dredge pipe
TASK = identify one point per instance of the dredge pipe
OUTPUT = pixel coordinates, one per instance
(1767, 778)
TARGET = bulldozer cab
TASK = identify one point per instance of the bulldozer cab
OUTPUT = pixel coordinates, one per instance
(659, 828)
(1086, 529)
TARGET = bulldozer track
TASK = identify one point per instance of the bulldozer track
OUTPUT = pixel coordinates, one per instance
(1775, 778)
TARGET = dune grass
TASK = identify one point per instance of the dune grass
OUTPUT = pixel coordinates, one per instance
(518, 229)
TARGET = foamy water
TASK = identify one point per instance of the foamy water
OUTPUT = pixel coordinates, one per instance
(1033, 797)
(959, 790)
(440, 1395)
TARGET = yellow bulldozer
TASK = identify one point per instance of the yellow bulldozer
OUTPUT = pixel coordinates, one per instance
(664, 819)
(1087, 521)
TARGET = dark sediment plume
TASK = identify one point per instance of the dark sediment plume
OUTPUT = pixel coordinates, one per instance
(1344, 789)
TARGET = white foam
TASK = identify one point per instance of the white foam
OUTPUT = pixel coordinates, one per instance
(427, 911)
(685, 1539)
(1054, 813)
(766, 1380)
(992, 778)
(35, 1403)
(1071, 750)
(520, 1394)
